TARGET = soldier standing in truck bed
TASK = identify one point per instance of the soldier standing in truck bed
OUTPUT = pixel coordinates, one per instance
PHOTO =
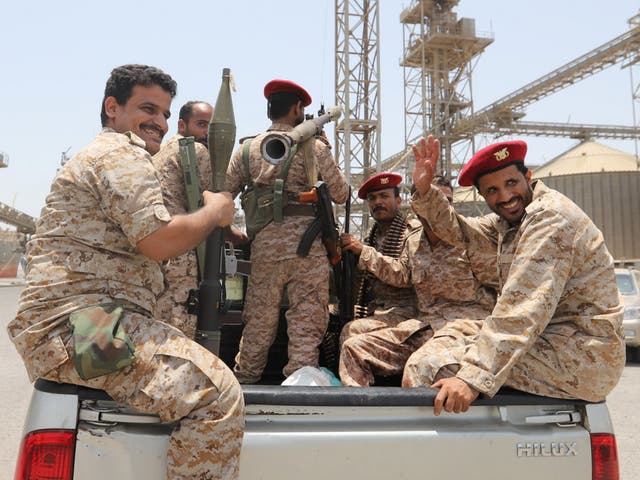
(181, 273)
(275, 265)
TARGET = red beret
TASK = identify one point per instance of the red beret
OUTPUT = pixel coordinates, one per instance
(492, 158)
(379, 182)
(278, 85)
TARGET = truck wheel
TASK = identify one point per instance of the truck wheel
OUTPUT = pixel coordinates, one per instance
(633, 354)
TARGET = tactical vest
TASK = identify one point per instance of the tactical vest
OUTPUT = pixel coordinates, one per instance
(263, 205)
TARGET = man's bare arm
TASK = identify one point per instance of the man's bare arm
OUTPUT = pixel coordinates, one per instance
(184, 232)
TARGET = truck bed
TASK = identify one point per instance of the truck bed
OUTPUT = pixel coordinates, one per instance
(341, 432)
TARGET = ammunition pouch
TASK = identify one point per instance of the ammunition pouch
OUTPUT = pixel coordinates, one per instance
(100, 343)
(263, 205)
(193, 302)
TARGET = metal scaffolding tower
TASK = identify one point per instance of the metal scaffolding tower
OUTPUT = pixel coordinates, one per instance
(633, 62)
(357, 87)
(438, 57)
(439, 53)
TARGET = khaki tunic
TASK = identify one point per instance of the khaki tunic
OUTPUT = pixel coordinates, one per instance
(446, 290)
(275, 265)
(180, 273)
(102, 203)
(556, 328)
(391, 303)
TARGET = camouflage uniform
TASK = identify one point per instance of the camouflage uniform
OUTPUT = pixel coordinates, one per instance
(391, 303)
(102, 203)
(446, 290)
(180, 273)
(275, 264)
(556, 329)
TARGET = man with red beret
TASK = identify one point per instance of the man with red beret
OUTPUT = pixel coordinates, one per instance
(556, 329)
(379, 304)
(276, 230)
(446, 289)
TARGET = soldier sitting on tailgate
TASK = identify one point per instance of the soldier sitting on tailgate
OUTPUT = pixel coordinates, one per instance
(94, 274)
(276, 222)
(556, 329)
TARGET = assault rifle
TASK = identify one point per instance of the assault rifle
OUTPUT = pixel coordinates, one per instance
(345, 295)
(325, 225)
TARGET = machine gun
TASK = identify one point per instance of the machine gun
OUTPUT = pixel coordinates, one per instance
(212, 295)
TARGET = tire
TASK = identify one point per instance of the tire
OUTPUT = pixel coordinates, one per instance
(633, 354)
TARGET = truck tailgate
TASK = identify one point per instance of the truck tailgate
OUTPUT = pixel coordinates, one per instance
(366, 436)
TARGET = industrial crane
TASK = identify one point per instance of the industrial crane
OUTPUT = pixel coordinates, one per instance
(438, 56)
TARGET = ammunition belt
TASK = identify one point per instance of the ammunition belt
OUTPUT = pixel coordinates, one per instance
(391, 247)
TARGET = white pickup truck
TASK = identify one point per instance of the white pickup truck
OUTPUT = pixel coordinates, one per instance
(314, 433)
(319, 433)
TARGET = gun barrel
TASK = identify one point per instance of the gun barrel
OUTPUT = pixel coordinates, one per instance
(276, 147)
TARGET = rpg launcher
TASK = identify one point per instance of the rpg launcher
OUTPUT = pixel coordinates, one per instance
(212, 296)
(275, 147)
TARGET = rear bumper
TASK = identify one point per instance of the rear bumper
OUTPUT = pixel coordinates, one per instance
(631, 328)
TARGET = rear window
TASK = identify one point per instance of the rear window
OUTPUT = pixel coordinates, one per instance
(625, 284)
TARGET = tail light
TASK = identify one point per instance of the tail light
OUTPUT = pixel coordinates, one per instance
(46, 455)
(604, 457)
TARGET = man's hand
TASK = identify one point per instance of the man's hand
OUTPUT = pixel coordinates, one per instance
(426, 153)
(221, 204)
(235, 236)
(349, 242)
(455, 395)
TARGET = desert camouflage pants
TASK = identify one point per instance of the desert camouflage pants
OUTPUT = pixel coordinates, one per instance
(176, 315)
(381, 318)
(383, 351)
(178, 380)
(307, 282)
(578, 367)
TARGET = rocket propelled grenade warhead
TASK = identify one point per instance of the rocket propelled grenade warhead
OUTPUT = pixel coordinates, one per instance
(222, 133)
(211, 298)
(275, 147)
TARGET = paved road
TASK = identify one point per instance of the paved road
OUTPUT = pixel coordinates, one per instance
(15, 392)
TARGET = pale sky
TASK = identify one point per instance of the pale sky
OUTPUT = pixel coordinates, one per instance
(55, 57)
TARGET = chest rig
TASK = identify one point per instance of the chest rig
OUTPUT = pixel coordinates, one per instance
(263, 205)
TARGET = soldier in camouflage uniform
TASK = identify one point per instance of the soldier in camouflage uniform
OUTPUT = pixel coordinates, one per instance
(556, 329)
(274, 261)
(380, 304)
(446, 289)
(99, 240)
(181, 273)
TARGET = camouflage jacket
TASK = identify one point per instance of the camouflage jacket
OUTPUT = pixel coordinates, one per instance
(386, 294)
(556, 282)
(280, 240)
(103, 201)
(441, 276)
(180, 273)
